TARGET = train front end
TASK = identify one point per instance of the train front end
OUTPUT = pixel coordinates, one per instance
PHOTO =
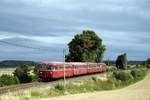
(45, 72)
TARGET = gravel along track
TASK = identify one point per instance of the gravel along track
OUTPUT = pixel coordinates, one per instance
(137, 91)
(19, 87)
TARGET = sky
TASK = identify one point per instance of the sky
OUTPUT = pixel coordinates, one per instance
(49, 25)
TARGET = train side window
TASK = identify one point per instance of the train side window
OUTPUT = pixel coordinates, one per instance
(50, 68)
(56, 68)
(74, 67)
(40, 67)
(92, 66)
(60, 67)
(43, 67)
(68, 67)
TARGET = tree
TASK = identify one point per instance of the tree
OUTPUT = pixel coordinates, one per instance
(36, 69)
(23, 74)
(121, 62)
(148, 63)
(86, 47)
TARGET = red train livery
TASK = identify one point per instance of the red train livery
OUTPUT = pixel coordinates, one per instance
(55, 70)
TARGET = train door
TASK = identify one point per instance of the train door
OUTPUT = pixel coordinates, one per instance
(74, 70)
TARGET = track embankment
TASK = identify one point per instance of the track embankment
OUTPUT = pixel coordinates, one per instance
(137, 91)
(26, 86)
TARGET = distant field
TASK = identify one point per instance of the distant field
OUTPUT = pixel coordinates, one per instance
(6, 71)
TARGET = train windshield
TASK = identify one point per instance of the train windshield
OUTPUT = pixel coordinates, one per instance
(46, 67)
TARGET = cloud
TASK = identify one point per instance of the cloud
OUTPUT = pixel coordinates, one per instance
(27, 49)
(123, 25)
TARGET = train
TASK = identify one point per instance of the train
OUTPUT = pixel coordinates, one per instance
(51, 70)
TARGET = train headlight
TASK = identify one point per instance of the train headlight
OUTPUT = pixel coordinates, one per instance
(40, 72)
(51, 73)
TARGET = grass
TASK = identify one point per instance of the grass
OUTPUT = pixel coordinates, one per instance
(8, 71)
(115, 80)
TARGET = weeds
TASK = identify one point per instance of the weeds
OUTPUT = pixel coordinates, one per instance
(59, 87)
(35, 94)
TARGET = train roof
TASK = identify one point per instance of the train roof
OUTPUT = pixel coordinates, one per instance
(54, 63)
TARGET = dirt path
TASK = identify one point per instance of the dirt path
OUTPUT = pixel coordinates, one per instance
(138, 91)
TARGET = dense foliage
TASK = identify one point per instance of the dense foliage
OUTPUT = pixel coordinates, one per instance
(36, 69)
(148, 63)
(123, 76)
(23, 74)
(115, 80)
(138, 73)
(86, 47)
(35, 76)
(6, 80)
(121, 62)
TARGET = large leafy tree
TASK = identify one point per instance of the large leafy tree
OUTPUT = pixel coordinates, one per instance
(86, 47)
(23, 74)
(121, 62)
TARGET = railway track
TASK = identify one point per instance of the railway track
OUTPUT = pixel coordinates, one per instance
(14, 88)
(26, 86)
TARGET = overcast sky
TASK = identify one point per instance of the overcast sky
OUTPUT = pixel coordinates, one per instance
(124, 26)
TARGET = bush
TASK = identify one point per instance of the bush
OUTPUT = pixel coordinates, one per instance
(35, 78)
(122, 62)
(6, 80)
(59, 87)
(112, 68)
(148, 63)
(138, 73)
(23, 74)
(94, 78)
(36, 69)
(123, 76)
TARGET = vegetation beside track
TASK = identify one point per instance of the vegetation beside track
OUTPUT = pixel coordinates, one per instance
(114, 80)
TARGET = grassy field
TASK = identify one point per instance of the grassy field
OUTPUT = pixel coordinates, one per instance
(137, 91)
(41, 92)
(8, 71)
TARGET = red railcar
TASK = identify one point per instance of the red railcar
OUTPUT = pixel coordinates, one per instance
(55, 70)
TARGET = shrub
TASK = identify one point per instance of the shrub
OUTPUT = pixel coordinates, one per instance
(6, 80)
(122, 61)
(94, 78)
(35, 78)
(23, 74)
(36, 69)
(148, 63)
(138, 73)
(112, 68)
(59, 87)
(123, 76)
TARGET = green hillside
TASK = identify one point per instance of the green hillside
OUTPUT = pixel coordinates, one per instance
(15, 63)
